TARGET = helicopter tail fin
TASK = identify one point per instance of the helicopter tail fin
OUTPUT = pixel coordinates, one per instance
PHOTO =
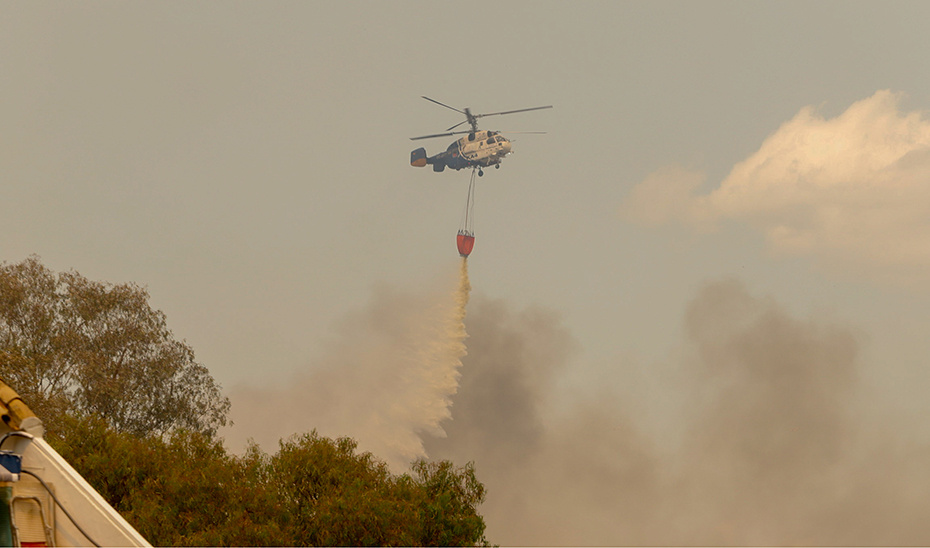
(418, 157)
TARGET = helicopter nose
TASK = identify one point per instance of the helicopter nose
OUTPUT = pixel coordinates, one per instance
(506, 146)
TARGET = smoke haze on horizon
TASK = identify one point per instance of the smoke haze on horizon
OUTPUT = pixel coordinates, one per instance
(776, 445)
(771, 442)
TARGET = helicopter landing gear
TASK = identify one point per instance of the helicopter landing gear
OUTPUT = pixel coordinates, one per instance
(497, 166)
(480, 173)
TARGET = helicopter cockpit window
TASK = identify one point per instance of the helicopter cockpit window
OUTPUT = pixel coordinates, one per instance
(491, 141)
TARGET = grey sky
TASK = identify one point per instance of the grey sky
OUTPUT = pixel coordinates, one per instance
(248, 163)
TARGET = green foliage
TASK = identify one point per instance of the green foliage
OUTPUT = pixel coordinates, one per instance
(184, 489)
(72, 345)
(451, 498)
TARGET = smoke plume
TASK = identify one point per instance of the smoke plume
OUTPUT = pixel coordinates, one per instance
(773, 446)
(769, 440)
(385, 377)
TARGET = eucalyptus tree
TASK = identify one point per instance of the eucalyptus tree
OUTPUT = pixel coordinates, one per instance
(73, 345)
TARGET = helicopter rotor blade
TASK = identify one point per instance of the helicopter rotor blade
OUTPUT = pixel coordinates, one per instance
(464, 132)
(471, 119)
(457, 125)
(438, 135)
(512, 111)
(441, 104)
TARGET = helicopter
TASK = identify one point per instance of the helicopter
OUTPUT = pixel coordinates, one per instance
(479, 149)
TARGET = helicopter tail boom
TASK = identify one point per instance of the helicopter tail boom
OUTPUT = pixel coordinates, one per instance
(418, 158)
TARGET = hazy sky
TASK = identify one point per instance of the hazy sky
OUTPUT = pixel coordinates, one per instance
(248, 162)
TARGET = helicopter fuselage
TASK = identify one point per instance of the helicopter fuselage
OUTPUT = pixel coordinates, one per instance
(477, 149)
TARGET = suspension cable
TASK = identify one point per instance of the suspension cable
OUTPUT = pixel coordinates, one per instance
(468, 216)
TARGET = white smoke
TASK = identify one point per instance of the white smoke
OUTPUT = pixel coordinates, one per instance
(386, 377)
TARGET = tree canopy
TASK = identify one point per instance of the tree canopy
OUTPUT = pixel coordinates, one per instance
(73, 345)
(184, 489)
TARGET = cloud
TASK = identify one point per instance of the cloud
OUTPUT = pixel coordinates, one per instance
(854, 189)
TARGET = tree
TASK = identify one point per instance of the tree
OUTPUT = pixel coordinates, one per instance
(184, 489)
(72, 345)
(338, 497)
(450, 503)
(179, 489)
